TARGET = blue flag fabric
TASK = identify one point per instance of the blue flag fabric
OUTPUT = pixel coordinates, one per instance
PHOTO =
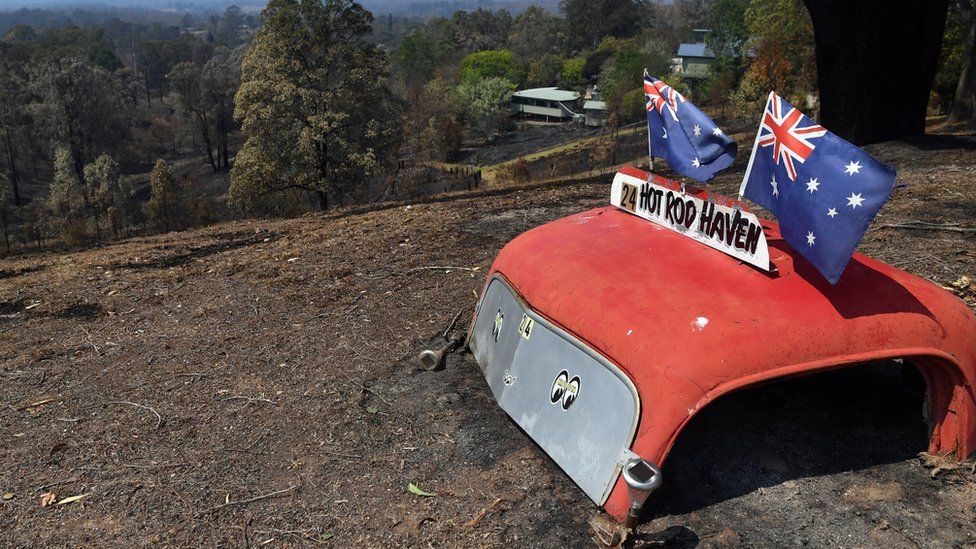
(682, 134)
(823, 190)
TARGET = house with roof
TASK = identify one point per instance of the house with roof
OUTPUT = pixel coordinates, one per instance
(694, 59)
(549, 104)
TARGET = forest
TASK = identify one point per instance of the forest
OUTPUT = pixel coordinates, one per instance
(140, 123)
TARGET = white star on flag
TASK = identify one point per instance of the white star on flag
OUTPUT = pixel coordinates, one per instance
(854, 200)
(717, 131)
(665, 136)
(697, 130)
(832, 212)
(810, 238)
(813, 185)
(775, 186)
(852, 168)
(696, 163)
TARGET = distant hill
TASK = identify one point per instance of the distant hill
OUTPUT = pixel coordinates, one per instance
(419, 8)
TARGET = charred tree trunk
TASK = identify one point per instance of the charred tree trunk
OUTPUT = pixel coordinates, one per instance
(323, 200)
(876, 60)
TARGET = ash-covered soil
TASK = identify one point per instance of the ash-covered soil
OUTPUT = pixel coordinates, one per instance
(528, 138)
(253, 384)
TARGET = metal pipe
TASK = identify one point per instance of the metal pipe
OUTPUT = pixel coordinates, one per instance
(642, 478)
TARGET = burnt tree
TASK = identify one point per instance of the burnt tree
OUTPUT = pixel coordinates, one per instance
(876, 60)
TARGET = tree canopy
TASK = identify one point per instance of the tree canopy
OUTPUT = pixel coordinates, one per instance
(314, 104)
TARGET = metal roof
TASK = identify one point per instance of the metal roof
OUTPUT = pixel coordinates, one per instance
(699, 49)
(548, 94)
(595, 105)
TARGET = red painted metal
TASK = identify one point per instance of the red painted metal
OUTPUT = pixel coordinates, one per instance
(639, 294)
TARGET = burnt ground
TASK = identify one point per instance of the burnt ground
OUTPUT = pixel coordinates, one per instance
(526, 139)
(279, 357)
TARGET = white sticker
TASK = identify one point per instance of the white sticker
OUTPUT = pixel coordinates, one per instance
(525, 327)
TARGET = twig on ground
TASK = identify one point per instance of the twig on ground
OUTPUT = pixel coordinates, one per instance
(45, 487)
(247, 501)
(157, 466)
(37, 403)
(159, 418)
(453, 322)
(473, 523)
(347, 456)
(248, 399)
(362, 387)
(439, 268)
(90, 342)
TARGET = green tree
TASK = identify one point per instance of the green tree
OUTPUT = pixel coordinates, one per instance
(66, 201)
(14, 119)
(489, 64)
(416, 58)
(572, 73)
(314, 104)
(481, 29)
(82, 107)
(111, 193)
(782, 39)
(228, 29)
(433, 122)
(620, 75)
(729, 33)
(544, 71)
(590, 21)
(165, 209)
(536, 32)
(485, 104)
(206, 100)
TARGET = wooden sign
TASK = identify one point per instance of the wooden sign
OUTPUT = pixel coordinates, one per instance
(713, 220)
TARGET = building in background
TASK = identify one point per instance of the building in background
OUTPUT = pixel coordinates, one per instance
(595, 112)
(694, 59)
(549, 104)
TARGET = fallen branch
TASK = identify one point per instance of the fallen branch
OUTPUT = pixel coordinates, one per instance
(246, 501)
(159, 418)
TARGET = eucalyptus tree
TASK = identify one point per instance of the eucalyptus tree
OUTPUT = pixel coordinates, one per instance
(314, 104)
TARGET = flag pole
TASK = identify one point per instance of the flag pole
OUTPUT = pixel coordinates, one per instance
(650, 152)
(752, 155)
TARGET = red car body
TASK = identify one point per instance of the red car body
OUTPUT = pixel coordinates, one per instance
(688, 324)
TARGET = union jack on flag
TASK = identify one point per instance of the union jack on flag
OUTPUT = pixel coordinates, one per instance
(823, 190)
(659, 94)
(781, 130)
(681, 133)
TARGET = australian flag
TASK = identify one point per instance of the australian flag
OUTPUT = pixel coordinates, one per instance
(823, 190)
(683, 135)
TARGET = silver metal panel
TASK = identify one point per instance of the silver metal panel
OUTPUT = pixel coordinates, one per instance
(574, 403)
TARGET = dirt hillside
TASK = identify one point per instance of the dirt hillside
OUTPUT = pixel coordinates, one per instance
(253, 384)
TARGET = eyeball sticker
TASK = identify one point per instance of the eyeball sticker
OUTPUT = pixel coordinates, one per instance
(564, 390)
